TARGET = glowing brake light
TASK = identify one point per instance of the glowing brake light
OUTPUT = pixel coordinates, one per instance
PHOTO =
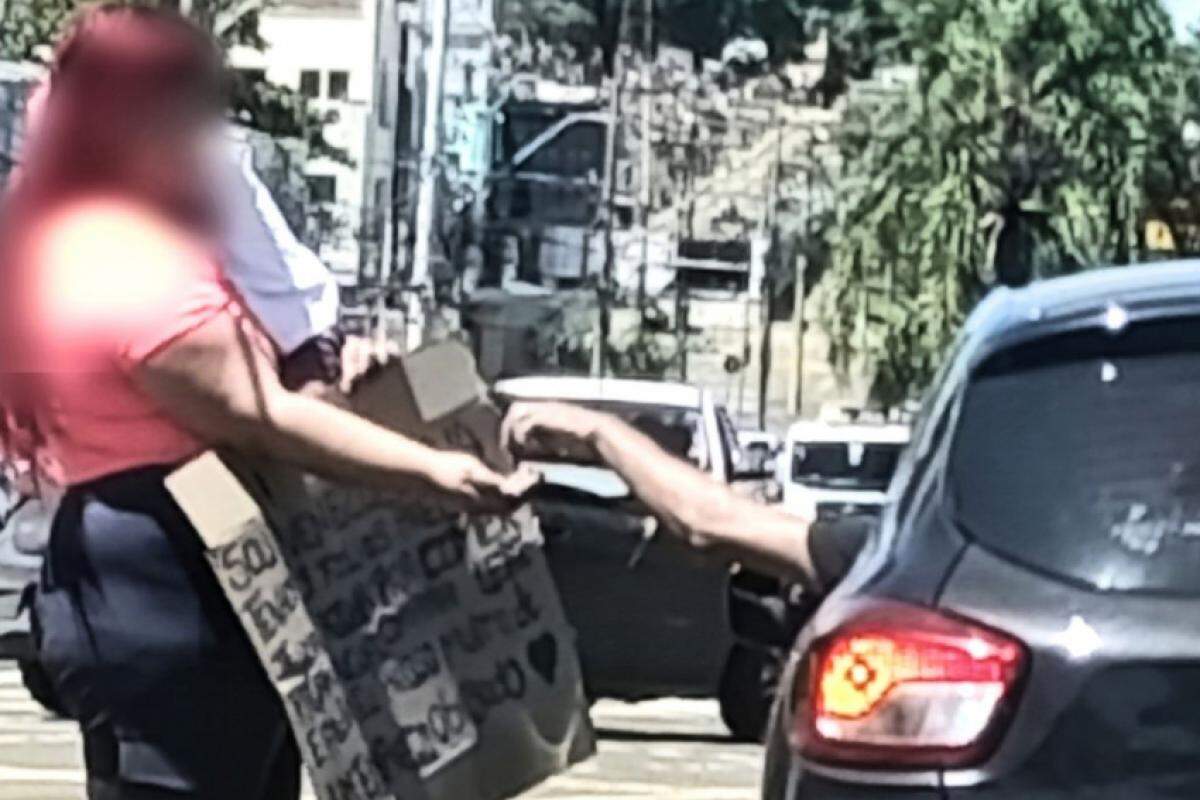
(905, 687)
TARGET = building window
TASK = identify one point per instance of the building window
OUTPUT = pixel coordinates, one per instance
(469, 82)
(310, 83)
(382, 205)
(322, 188)
(383, 106)
(339, 85)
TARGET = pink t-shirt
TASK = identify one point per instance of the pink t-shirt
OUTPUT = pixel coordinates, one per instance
(112, 285)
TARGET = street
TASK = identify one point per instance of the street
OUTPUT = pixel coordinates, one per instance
(673, 749)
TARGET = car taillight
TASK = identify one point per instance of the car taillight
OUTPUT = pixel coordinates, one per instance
(906, 687)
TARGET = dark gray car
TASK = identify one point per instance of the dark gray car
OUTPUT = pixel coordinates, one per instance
(1025, 621)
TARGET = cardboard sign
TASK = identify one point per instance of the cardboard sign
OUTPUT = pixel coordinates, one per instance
(421, 653)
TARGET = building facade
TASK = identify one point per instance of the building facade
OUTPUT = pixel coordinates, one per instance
(16, 82)
(394, 139)
(323, 50)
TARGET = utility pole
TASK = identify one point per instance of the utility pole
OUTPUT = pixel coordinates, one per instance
(796, 406)
(401, 152)
(436, 18)
(647, 154)
(768, 285)
(682, 308)
(796, 400)
(604, 291)
(816, 155)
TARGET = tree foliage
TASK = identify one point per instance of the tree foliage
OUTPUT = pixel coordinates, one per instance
(701, 26)
(573, 21)
(1036, 138)
(30, 28)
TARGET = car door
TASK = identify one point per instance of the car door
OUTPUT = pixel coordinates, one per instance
(649, 611)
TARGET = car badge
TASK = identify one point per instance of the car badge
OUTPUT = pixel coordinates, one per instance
(1115, 318)
(1079, 639)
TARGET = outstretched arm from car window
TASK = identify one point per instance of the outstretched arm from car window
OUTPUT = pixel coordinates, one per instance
(690, 503)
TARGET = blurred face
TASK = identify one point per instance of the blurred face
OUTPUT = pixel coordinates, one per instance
(131, 107)
(172, 149)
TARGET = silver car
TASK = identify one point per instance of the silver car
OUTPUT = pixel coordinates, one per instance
(24, 532)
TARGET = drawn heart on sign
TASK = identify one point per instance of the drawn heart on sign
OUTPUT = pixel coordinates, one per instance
(543, 656)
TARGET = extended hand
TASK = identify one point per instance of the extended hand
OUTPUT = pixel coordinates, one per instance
(468, 478)
(526, 420)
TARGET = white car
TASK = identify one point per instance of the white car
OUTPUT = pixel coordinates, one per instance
(684, 419)
(830, 469)
(651, 613)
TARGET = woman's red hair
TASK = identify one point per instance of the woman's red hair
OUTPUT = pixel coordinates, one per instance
(117, 70)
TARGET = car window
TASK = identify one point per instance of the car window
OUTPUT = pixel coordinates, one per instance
(730, 449)
(845, 465)
(679, 431)
(929, 427)
(924, 430)
(1080, 455)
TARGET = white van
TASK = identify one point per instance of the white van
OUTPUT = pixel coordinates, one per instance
(830, 469)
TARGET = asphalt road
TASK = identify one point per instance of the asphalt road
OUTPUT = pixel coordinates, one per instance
(665, 749)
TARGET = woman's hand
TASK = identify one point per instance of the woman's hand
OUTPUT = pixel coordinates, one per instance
(525, 421)
(468, 478)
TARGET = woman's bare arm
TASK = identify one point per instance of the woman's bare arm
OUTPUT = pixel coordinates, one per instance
(219, 383)
(706, 513)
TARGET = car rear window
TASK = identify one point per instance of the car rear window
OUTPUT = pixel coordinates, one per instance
(1080, 455)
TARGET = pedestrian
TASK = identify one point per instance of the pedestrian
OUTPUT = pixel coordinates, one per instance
(130, 352)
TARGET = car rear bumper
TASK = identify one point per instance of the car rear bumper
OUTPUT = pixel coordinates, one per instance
(787, 777)
(814, 787)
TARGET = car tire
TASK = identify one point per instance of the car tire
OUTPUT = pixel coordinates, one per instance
(40, 687)
(747, 692)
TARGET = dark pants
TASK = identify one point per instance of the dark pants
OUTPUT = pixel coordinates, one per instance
(148, 656)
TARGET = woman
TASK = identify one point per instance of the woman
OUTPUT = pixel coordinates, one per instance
(127, 352)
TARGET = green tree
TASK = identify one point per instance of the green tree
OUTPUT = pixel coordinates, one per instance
(1035, 139)
(30, 27)
(573, 21)
(704, 26)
